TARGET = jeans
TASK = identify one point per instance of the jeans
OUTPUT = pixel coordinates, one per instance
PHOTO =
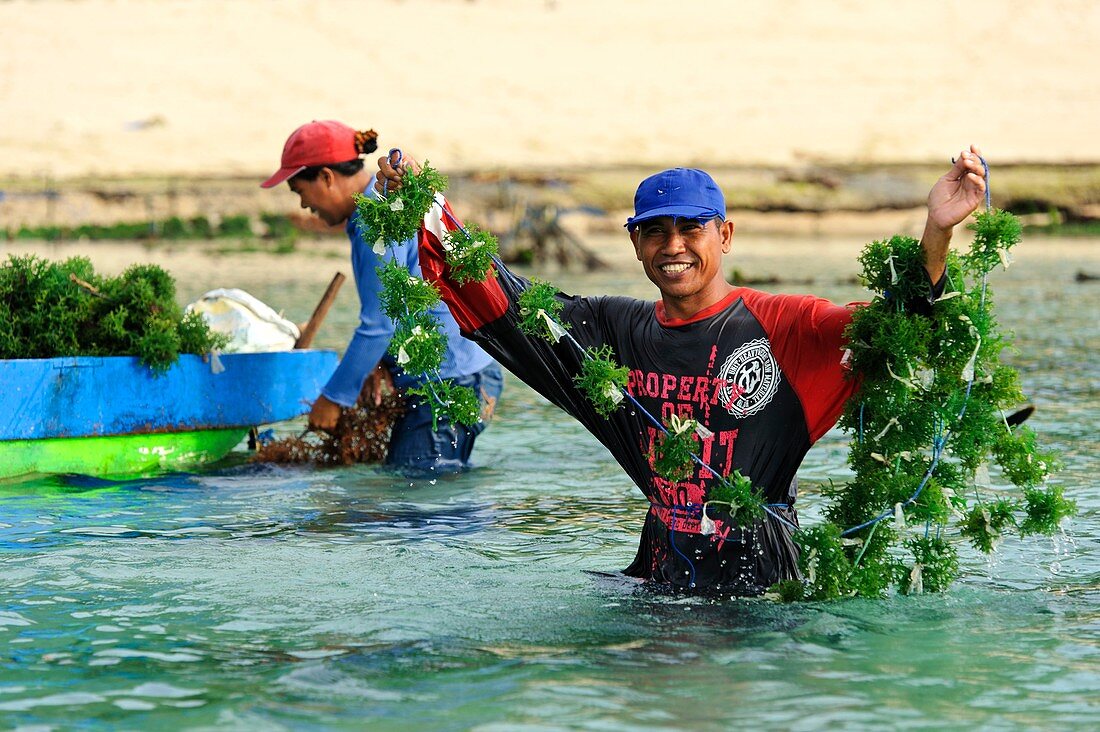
(418, 449)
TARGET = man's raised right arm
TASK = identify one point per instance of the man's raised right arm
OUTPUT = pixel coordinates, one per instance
(473, 304)
(487, 312)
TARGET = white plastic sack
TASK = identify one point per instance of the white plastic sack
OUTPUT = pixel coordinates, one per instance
(252, 326)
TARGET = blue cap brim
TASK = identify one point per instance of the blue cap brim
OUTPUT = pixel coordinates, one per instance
(678, 211)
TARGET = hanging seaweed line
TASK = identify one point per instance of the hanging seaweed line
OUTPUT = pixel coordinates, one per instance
(940, 441)
(926, 380)
(897, 409)
(418, 344)
(470, 254)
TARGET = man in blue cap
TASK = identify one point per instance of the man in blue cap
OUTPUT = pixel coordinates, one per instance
(762, 373)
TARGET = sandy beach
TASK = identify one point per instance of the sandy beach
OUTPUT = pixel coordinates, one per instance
(177, 87)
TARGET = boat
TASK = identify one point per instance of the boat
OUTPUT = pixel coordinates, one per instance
(111, 417)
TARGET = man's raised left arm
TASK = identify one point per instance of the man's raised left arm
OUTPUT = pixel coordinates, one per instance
(954, 197)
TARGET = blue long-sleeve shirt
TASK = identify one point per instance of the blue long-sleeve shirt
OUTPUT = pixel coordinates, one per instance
(372, 337)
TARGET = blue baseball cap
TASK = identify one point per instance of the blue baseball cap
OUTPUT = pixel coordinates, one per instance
(685, 193)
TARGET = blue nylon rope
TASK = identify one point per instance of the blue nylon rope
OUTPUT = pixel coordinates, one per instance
(389, 156)
(672, 542)
(988, 197)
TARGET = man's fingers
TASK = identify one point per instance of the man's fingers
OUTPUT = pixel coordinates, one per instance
(388, 178)
(968, 167)
(972, 159)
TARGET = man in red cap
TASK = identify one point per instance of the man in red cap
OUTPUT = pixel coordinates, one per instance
(761, 373)
(322, 163)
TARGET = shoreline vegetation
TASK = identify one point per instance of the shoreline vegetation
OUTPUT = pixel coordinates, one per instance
(537, 213)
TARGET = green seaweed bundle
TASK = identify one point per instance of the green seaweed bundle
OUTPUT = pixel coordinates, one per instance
(404, 293)
(602, 380)
(674, 452)
(458, 404)
(53, 309)
(927, 422)
(538, 306)
(469, 252)
(397, 217)
(418, 344)
(745, 503)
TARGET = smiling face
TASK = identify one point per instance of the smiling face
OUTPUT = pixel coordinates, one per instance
(683, 257)
(329, 196)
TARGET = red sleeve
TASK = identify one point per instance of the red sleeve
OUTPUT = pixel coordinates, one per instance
(473, 304)
(807, 339)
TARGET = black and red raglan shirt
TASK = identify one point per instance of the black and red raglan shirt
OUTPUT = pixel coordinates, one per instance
(762, 372)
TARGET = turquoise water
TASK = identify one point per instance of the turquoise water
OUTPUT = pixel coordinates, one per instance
(254, 597)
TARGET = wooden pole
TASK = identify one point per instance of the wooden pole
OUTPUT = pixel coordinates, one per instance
(319, 313)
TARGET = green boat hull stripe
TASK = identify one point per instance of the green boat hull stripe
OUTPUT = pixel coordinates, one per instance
(118, 456)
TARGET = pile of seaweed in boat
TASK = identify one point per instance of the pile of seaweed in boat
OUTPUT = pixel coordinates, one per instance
(361, 435)
(54, 309)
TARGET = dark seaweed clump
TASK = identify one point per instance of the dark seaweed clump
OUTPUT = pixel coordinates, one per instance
(362, 435)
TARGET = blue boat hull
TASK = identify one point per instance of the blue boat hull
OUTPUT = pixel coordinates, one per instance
(89, 397)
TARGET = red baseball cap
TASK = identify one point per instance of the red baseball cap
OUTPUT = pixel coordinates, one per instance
(314, 143)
